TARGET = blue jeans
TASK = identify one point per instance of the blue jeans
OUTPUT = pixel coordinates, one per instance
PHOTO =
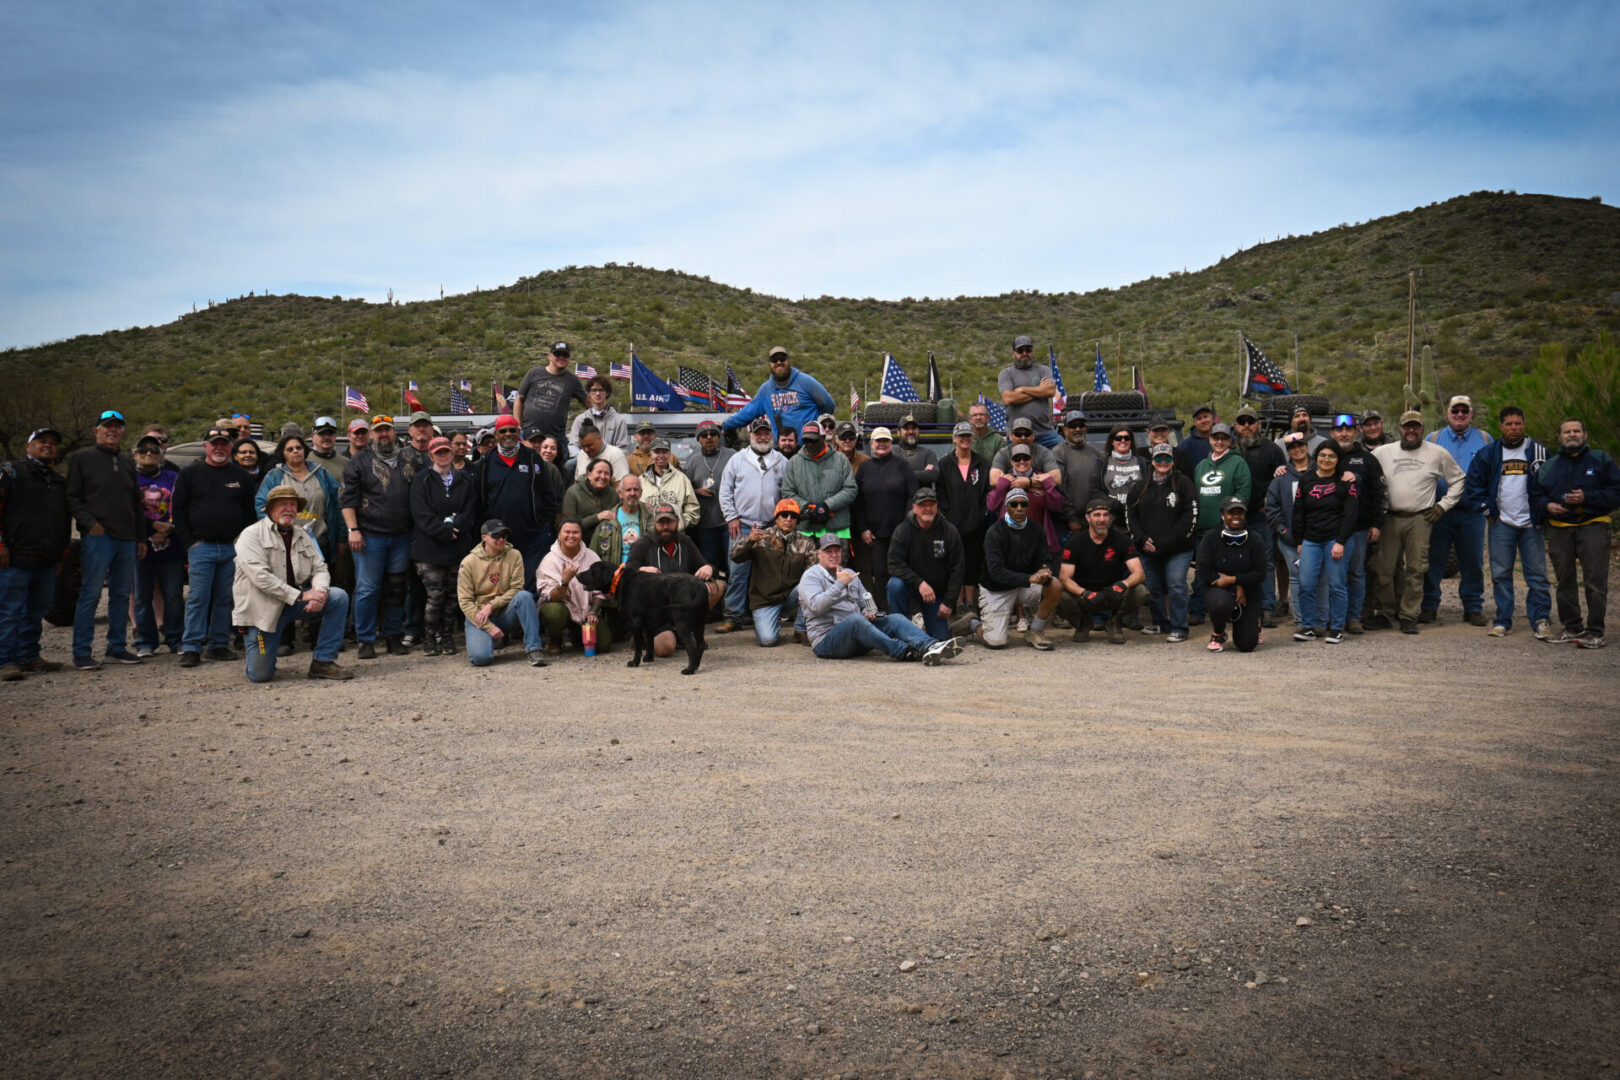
(520, 614)
(737, 576)
(168, 578)
(1464, 529)
(533, 548)
(1355, 581)
(1314, 558)
(1259, 526)
(110, 563)
(25, 597)
(383, 555)
(768, 619)
(1167, 588)
(891, 635)
(904, 599)
(1290, 557)
(1195, 598)
(208, 608)
(262, 646)
(1527, 543)
(1050, 439)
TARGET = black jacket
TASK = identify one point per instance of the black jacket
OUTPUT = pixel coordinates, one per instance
(962, 501)
(213, 504)
(1263, 460)
(1325, 510)
(526, 495)
(1167, 513)
(933, 555)
(885, 486)
(1249, 561)
(101, 490)
(1370, 489)
(1011, 555)
(379, 507)
(446, 519)
(34, 520)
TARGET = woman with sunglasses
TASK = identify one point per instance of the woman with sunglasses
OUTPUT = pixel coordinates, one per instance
(245, 452)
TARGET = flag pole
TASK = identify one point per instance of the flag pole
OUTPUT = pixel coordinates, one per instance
(343, 393)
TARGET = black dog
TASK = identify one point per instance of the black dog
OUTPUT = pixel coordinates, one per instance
(654, 602)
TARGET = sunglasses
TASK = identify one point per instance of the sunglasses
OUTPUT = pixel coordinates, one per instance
(708, 434)
(502, 537)
(846, 438)
(1123, 438)
(1461, 409)
(1241, 422)
(789, 514)
(1025, 351)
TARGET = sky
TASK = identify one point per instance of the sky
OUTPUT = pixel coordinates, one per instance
(155, 156)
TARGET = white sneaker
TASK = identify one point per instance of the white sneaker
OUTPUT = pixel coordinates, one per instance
(941, 651)
(1499, 631)
(146, 652)
(1542, 630)
(1023, 623)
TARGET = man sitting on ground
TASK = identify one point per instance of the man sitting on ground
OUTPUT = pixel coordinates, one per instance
(668, 550)
(843, 621)
(925, 565)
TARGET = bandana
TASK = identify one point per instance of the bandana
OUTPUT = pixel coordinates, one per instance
(1011, 524)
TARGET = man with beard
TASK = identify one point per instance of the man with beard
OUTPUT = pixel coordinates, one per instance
(787, 442)
(280, 578)
(640, 457)
(923, 462)
(359, 439)
(884, 484)
(544, 394)
(106, 504)
(34, 528)
(777, 558)
(750, 490)
(1101, 574)
(1078, 461)
(924, 568)
(376, 503)
(666, 483)
(1413, 470)
(1499, 480)
(668, 550)
(420, 434)
(515, 486)
(843, 619)
(213, 503)
(1372, 502)
(1265, 458)
(1300, 420)
(1028, 390)
(705, 468)
(790, 399)
(820, 480)
(1464, 530)
(987, 442)
(323, 449)
(1579, 490)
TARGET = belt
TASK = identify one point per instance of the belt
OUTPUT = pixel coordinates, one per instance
(1406, 513)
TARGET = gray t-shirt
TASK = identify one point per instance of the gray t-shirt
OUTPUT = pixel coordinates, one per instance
(1044, 459)
(545, 400)
(1039, 411)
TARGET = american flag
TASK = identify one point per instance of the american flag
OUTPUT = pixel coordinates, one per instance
(1260, 375)
(694, 385)
(998, 413)
(854, 401)
(1102, 386)
(1059, 402)
(354, 399)
(896, 387)
(619, 371)
(736, 396)
(585, 371)
(459, 403)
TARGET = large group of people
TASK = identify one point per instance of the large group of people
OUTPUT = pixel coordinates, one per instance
(418, 539)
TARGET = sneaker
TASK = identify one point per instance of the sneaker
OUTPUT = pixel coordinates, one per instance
(1542, 631)
(1474, 618)
(1499, 631)
(1565, 636)
(1217, 642)
(41, 665)
(219, 652)
(368, 650)
(1378, 622)
(328, 669)
(1591, 639)
(1152, 628)
(1334, 637)
(1354, 627)
(1268, 619)
(87, 663)
(145, 652)
(122, 656)
(537, 658)
(408, 640)
(940, 651)
(1037, 639)
(1023, 623)
(1176, 637)
(1408, 626)
(1303, 634)
(12, 673)
(190, 659)
(430, 646)
(287, 647)
(398, 647)
(800, 637)
(1427, 616)
(726, 626)
(1116, 632)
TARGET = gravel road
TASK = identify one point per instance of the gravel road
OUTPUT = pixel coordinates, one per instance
(1390, 856)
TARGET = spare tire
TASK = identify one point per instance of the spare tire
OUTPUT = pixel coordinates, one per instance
(890, 413)
(1315, 404)
(1131, 401)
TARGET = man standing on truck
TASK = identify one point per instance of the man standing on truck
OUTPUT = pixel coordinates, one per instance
(543, 396)
(1027, 391)
(790, 398)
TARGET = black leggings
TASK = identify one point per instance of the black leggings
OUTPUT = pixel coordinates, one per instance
(1222, 607)
(442, 609)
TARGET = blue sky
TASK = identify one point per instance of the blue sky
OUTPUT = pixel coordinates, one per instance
(156, 155)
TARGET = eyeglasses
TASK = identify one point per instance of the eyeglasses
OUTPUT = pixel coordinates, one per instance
(1024, 350)
(708, 434)
(1456, 409)
(1123, 438)
(1241, 422)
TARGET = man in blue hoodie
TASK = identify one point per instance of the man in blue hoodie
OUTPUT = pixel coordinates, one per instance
(1463, 526)
(1499, 480)
(789, 398)
(1578, 491)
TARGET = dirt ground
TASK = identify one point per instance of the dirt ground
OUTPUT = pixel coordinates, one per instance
(1392, 856)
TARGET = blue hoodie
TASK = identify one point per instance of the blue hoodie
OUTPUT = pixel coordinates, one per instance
(792, 404)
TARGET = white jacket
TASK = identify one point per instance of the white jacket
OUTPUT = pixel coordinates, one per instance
(751, 486)
(260, 591)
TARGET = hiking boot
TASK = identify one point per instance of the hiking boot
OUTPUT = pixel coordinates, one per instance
(12, 673)
(1037, 639)
(1082, 633)
(1427, 616)
(190, 659)
(1474, 618)
(1378, 622)
(726, 626)
(1408, 626)
(397, 647)
(1269, 619)
(41, 665)
(219, 652)
(328, 669)
(287, 647)
(1116, 632)
(368, 650)
(553, 648)
(800, 637)
(1354, 627)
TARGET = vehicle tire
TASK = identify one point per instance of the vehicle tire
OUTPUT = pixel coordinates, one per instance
(1317, 404)
(1113, 401)
(889, 414)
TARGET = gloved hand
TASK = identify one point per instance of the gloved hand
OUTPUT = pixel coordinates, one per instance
(1433, 513)
(1118, 589)
(1107, 599)
(815, 513)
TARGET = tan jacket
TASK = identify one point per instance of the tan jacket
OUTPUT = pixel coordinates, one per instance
(260, 591)
(673, 488)
(483, 580)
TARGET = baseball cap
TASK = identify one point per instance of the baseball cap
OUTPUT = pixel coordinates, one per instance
(419, 415)
(1074, 416)
(382, 421)
(1020, 451)
(484, 433)
(1246, 413)
(707, 426)
(220, 435)
(1411, 416)
(1023, 423)
(962, 428)
(882, 433)
(1100, 503)
(1220, 429)
(1017, 495)
(924, 494)
(826, 418)
(831, 540)
(660, 444)
(908, 419)
(359, 424)
(846, 430)
(1204, 407)
(40, 433)
(664, 510)
(1461, 399)
(111, 416)
(325, 423)
(1159, 425)
(786, 506)
(648, 425)
(1023, 340)
(777, 350)
(291, 428)
(1162, 450)
(495, 527)
(760, 422)
(143, 444)
(1371, 414)
(441, 443)
(1232, 502)
(811, 430)
(504, 422)
(560, 349)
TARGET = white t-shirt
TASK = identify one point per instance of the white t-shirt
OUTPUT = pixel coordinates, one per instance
(1513, 494)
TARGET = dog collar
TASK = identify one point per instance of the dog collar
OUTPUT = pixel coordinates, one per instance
(613, 586)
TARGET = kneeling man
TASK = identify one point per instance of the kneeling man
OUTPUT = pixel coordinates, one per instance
(281, 578)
